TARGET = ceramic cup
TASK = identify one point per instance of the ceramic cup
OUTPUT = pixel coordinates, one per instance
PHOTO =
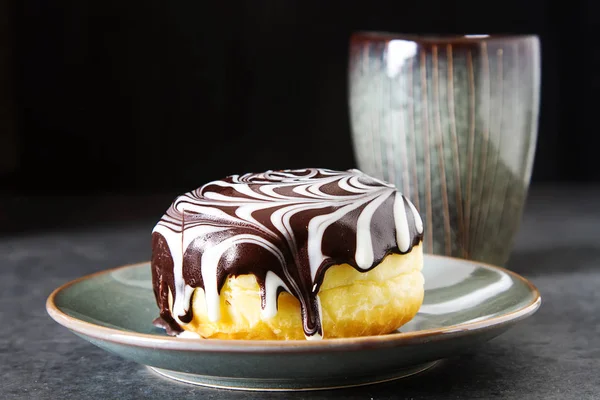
(452, 122)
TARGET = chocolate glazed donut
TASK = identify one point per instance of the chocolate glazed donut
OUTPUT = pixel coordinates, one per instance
(286, 228)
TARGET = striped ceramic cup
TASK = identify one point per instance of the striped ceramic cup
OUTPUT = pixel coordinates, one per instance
(452, 121)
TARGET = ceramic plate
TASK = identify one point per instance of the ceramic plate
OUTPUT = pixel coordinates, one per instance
(466, 303)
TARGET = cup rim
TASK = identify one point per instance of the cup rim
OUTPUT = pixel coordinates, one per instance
(374, 35)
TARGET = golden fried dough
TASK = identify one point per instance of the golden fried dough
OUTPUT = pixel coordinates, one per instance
(353, 303)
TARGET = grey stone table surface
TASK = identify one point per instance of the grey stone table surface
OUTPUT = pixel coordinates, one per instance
(45, 242)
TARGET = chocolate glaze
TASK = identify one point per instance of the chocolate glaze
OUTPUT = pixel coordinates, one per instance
(294, 224)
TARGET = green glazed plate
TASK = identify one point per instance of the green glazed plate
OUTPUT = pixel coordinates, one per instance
(466, 303)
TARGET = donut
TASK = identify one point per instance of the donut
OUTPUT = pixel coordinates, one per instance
(288, 255)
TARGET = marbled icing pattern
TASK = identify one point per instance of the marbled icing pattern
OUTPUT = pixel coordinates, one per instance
(285, 227)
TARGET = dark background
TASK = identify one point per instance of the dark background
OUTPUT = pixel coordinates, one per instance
(158, 96)
(110, 108)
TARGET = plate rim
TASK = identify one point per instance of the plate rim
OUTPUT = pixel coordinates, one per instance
(145, 340)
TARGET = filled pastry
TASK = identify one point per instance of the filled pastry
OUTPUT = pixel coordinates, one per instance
(291, 254)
